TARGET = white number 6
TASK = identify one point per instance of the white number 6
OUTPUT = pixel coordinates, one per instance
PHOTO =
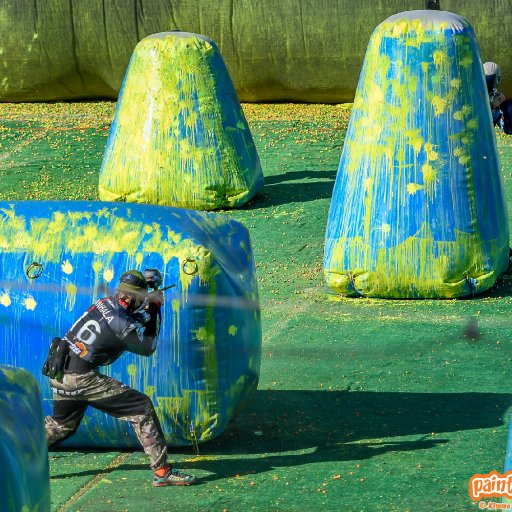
(88, 333)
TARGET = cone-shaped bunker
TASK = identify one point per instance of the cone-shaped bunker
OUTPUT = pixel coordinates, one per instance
(418, 207)
(179, 136)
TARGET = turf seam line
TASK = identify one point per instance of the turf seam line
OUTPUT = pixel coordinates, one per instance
(91, 483)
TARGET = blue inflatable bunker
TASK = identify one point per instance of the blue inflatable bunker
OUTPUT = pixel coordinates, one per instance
(24, 482)
(508, 463)
(418, 209)
(59, 257)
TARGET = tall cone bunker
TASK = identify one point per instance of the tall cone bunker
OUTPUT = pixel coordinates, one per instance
(418, 208)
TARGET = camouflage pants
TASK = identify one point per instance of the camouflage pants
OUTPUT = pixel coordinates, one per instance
(75, 392)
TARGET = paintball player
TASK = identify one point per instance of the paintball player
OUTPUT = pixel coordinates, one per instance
(126, 321)
(501, 107)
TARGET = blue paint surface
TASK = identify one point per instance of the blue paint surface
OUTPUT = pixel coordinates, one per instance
(25, 481)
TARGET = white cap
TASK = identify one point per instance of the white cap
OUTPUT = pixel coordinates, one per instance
(491, 68)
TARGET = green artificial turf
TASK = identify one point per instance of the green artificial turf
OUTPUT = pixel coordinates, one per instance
(363, 404)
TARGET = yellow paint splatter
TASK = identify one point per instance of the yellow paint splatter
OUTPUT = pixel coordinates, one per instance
(376, 95)
(5, 300)
(439, 105)
(466, 61)
(201, 333)
(415, 139)
(400, 28)
(385, 228)
(108, 275)
(432, 155)
(472, 124)
(232, 329)
(150, 390)
(204, 335)
(464, 159)
(201, 457)
(467, 109)
(429, 174)
(66, 267)
(440, 58)
(455, 83)
(412, 188)
(30, 303)
(71, 289)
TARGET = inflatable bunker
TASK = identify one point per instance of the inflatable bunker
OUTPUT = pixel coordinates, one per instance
(508, 464)
(179, 135)
(25, 482)
(418, 209)
(59, 257)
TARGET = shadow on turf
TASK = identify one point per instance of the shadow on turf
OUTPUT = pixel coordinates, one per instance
(322, 426)
(279, 189)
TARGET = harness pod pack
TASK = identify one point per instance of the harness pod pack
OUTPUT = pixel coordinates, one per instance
(207, 362)
(55, 363)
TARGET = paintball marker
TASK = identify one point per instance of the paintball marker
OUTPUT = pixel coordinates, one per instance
(154, 279)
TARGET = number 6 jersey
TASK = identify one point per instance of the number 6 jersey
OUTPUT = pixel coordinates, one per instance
(106, 330)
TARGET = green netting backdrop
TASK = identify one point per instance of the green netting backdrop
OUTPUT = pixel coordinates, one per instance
(294, 50)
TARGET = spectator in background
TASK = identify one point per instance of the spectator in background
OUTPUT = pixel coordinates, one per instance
(501, 107)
